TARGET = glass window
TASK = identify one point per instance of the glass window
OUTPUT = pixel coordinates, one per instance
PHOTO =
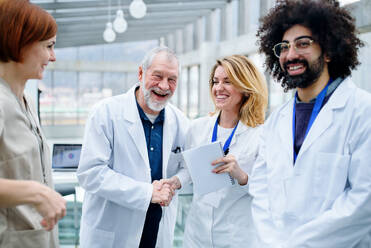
(69, 53)
(114, 83)
(67, 96)
(64, 85)
(183, 93)
(89, 93)
(175, 98)
(90, 53)
(132, 79)
(194, 92)
(46, 100)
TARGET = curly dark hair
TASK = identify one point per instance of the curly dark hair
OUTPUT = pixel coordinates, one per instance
(332, 27)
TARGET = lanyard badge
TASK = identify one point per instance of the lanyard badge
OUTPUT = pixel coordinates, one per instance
(228, 142)
(315, 111)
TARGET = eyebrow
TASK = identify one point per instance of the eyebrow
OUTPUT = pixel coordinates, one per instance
(226, 78)
(300, 37)
(162, 73)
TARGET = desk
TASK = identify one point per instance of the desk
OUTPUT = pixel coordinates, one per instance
(69, 177)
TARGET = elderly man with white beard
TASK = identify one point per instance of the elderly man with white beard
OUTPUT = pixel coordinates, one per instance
(131, 143)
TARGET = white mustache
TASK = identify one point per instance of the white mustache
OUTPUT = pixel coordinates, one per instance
(159, 91)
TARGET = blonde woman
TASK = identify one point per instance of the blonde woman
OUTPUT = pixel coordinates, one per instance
(239, 93)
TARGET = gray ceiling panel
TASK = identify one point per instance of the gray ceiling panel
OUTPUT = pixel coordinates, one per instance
(83, 22)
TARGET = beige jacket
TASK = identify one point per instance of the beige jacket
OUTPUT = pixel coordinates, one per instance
(20, 158)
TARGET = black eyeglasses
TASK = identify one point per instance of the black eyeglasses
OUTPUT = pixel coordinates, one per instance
(301, 46)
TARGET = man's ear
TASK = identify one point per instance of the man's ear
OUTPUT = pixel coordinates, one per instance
(327, 59)
(140, 73)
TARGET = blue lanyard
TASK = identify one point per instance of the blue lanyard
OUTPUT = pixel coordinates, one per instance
(228, 142)
(316, 109)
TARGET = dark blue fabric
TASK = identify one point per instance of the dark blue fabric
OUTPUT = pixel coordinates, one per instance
(153, 133)
(151, 225)
(303, 113)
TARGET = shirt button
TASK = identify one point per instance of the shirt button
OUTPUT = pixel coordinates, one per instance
(153, 127)
(152, 148)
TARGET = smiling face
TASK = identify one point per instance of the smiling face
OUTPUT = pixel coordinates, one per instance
(160, 81)
(225, 95)
(36, 57)
(304, 68)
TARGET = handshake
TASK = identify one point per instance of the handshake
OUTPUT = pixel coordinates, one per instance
(164, 190)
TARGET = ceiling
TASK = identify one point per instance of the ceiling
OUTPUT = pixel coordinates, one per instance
(82, 22)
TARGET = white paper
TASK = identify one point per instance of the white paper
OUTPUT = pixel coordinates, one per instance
(198, 161)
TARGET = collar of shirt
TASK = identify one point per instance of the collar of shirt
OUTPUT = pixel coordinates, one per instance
(331, 88)
(154, 138)
(143, 116)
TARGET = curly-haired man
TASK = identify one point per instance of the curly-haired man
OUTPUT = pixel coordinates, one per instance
(312, 184)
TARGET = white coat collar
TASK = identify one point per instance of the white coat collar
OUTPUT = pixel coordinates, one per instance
(241, 128)
(325, 118)
(130, 114)
(214, 198)
(136, 131)
(323, 121)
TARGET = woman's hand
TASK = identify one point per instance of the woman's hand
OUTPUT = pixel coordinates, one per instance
(49, 203)
(230, 165)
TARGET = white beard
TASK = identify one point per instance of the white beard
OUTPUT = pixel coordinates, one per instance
(153, 105)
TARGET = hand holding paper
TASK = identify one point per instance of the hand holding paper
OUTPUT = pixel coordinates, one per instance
(199, 162)
(230, 166)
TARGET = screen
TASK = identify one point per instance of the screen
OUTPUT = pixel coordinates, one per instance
(66, 156)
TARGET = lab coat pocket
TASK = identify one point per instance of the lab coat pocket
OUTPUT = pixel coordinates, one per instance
(331, 173)
(174, 163)
(95, 238)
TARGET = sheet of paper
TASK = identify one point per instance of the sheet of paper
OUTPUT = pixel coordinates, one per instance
(198, 161)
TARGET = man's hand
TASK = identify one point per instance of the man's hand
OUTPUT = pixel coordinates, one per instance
(230, 166)
(173, 182)
(162, 193)
(49, 204)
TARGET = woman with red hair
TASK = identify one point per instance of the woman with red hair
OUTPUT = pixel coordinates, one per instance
(29, 207)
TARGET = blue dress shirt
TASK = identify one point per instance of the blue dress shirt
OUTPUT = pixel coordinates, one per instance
(153, 133)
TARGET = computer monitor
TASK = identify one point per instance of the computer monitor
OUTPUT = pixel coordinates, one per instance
(66, 157)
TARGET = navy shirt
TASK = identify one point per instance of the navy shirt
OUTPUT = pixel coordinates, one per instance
(153, 133)
(304, 111)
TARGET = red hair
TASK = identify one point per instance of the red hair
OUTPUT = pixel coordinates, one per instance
(21, 24)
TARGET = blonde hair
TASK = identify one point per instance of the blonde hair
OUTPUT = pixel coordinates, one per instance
(243, 75)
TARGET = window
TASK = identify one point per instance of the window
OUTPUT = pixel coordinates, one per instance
(82, 76)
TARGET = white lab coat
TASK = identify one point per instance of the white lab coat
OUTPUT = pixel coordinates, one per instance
(223, 218)
(115, 172)
(325, 199)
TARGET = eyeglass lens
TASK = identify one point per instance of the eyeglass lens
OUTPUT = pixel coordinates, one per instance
(300, 46)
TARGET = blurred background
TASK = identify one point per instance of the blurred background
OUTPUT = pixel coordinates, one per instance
(100, 44)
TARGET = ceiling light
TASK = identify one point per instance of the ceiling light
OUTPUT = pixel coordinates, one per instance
(138, 9)
(119, 24)
(108, 34)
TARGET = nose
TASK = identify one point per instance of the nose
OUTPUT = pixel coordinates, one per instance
(164, 85)
(52, 57)
(291, 54)
(219, 86)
